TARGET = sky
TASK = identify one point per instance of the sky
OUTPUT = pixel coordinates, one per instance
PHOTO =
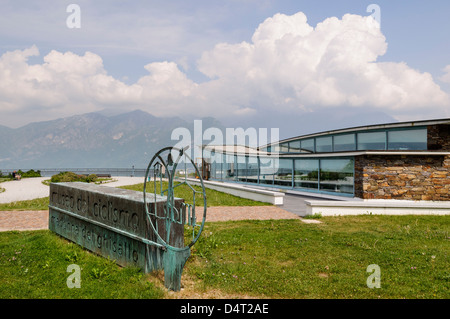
(231, 60)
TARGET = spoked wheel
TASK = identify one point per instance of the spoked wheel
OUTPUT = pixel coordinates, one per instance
(174, 215)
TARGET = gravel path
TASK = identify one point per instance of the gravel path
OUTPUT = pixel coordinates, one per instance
(31, 188)
(25, 189)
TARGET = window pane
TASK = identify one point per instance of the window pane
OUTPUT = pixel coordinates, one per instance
(218, 170)
(252, 170)
(230, 168)
(306, 173)
(294, 147)
(213, 170)
(344, 143)
(241, 165)
(283, 176)
(284, 148)
(372, 141)
(222, 168)
(307, 146)
(268, 168)
(336, 175)
(324, 144)
(408, 139)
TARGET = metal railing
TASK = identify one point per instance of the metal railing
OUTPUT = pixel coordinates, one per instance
(49, 172)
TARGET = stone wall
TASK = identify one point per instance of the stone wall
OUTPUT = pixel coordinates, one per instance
(402, 177)
(438, 137)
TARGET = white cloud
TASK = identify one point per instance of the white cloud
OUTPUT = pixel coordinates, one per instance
(288, 65)
(446, 77)
(333, 64)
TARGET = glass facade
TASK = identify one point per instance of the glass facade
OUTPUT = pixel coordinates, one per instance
(324, 174)
(389, 139)
(252, 169)
(267, 170)
(294, 147)
(372, 141)
(344, 142)
(241, 171)
(229, 168)
(324, 144)
(306, 173)
(284, 148)
(330, 175)
(336, 175)
(407, 140)
(307, 146)
(283, 176)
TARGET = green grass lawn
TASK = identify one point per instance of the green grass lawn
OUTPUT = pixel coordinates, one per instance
(214, 198)
(274, 259)
(290, 259)
(32, 204)
(34, 265)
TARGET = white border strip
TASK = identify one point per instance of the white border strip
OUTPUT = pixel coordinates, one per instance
(377, 207)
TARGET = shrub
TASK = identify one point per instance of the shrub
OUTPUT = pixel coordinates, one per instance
(30, 173)
(72, 177)
(91, 178)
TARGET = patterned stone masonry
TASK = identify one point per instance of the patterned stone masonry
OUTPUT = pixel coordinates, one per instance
(403, 177)
(438, 137)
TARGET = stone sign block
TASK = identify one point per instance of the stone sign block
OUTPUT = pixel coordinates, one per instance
(113, 223)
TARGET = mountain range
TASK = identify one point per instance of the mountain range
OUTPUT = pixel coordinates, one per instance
(123, 140)
(91, 140)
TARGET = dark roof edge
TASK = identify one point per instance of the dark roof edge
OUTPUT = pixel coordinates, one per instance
(366, 127)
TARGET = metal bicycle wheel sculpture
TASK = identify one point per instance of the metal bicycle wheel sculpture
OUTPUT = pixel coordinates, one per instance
(175, 214)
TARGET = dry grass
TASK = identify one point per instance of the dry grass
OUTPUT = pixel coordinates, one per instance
(191, 289)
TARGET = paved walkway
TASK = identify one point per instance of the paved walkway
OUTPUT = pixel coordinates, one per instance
(30, 188)
(23, 220)
(25, 189)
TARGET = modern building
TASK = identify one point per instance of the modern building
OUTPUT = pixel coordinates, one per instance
(407, 160)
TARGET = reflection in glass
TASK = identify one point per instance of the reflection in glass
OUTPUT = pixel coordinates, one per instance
(344, 142)
(336, 175)
(407, 139)
(241, 168)
(324, 144)
(294, 147)
(213, 169)
(252, 169)
(307, 146)
(268, 168)
(283, 176)
(284, 148)
(230, 168)
(372, 141)
(306, 173)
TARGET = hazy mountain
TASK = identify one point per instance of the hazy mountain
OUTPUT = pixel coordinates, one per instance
(111, 140)
(90, 140)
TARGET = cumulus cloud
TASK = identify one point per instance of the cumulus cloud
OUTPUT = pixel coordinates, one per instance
(287, 66)
(290, 64)
(446, 77)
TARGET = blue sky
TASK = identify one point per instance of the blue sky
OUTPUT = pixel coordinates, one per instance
(173, 57)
